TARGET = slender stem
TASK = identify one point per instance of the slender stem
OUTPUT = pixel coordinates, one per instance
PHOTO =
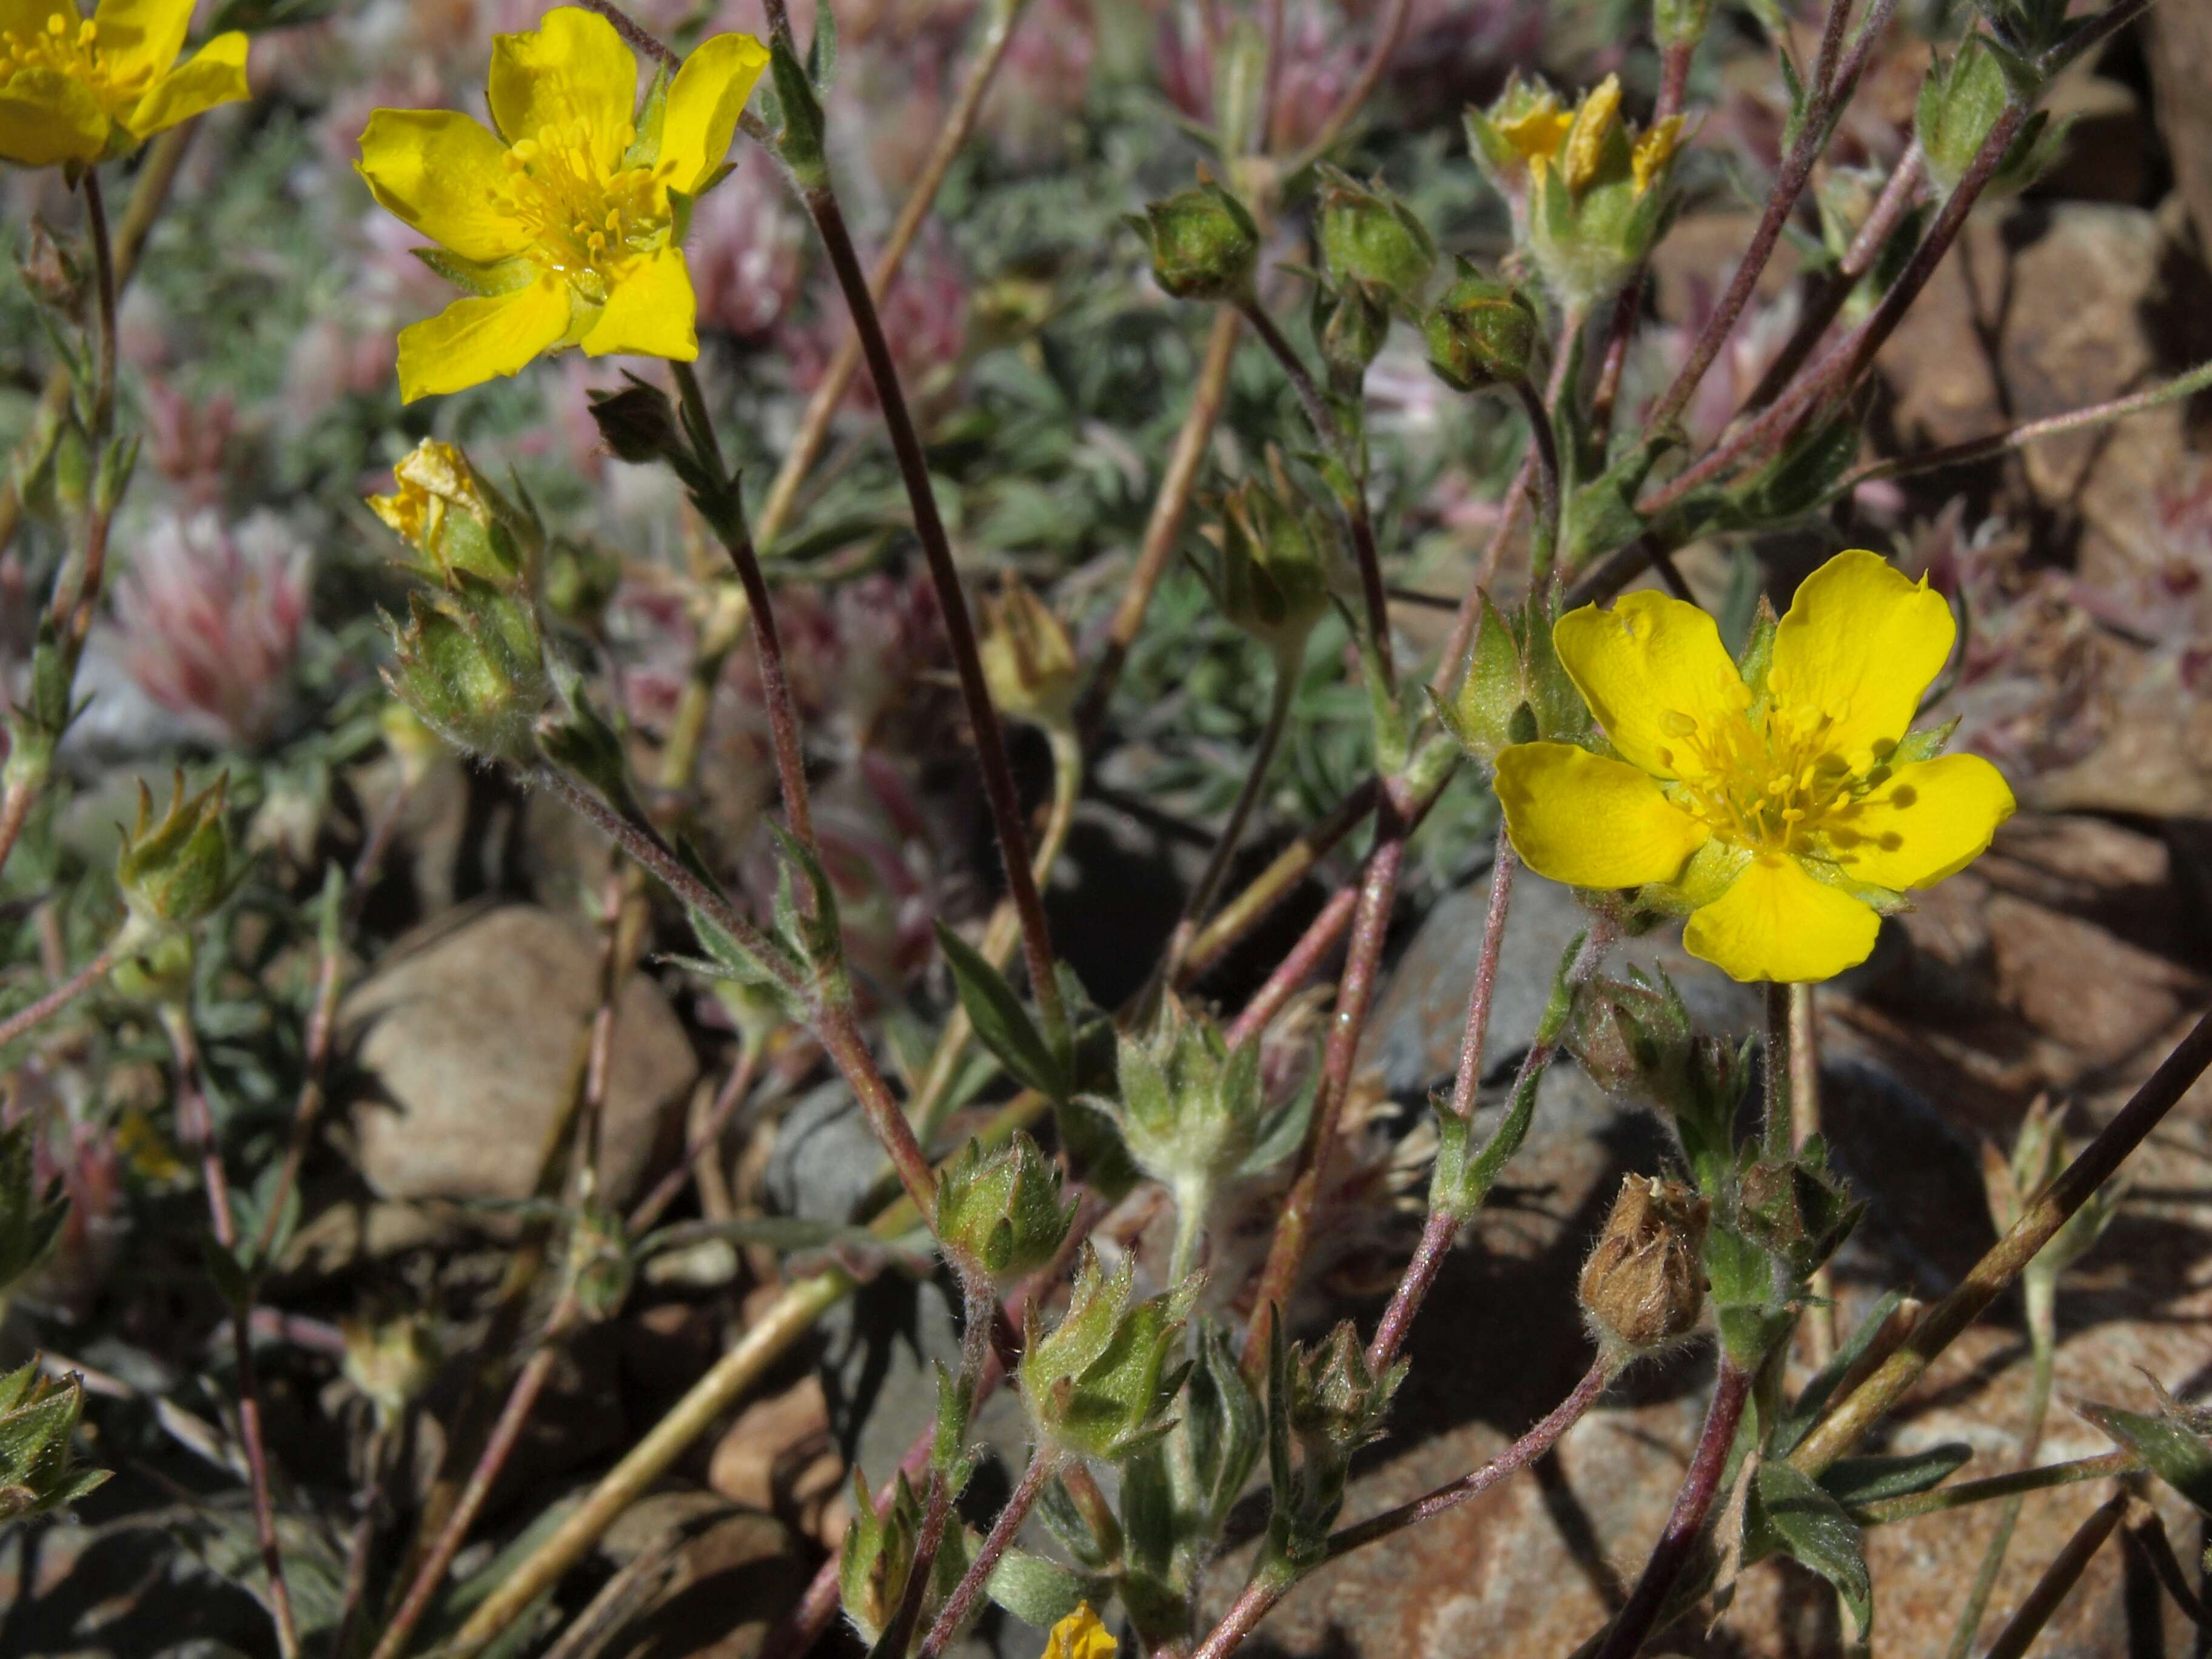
(1943, 1499)
(1692, 1503)
(1370, 924)
(62, 995)
(196, 1124)
(1804, 1123)
(2147, 1535)
(822, 407)
(1675, 62)
(74, 620)
(1827, 300)
(1446, 679)
(925, 1111)
(1004, 798)
(1164, 529)
(156, 173)
(1544, 482)
(15, 803)
(102, 421)
(1044, 1465)
(1831, 90)
(2058, 1579)
(1361, 87)
(499, 1447)
(765, 1342)
(322, 1021)
(1260, 1596)
(1442, 1227)
(1515, 1458)
(1373, 598)
(360, 1547)
(1839, 369)
(1775, 1123)
(1851, 1420)
(2027, 431)
(728, 1100)
(1200, 899)
(2041, 1289)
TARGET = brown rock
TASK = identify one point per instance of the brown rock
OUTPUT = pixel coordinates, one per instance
(778, 1455)
(705, 1581)
(473, 1033)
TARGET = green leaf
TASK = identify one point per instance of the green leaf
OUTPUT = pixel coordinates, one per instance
(821, 51)
(1002, 1024)
(1035, 1590)
(2172, 1452)
(1786, 1513)
(1855, 1480)
(1284, 1131)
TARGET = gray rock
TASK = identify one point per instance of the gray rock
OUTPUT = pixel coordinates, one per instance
(472, 1035)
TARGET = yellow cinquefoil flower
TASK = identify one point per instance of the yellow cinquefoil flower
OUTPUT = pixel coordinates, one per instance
(569, 230)
(1081, 1636)
(1585, 190)
(1783, 813)
(83, 89)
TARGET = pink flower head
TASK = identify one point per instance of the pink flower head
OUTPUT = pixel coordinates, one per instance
(210, 617)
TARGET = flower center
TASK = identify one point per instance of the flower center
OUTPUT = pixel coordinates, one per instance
(68, 45)
(585, 219)
(1767, 782)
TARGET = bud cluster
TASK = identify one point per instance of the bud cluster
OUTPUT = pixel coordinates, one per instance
(1588, 193)
(1204, 241)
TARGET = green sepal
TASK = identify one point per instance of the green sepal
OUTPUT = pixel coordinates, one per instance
(651, 115)
(2170, 1447)
(485, 279)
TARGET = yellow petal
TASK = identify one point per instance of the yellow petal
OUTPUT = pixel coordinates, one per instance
(1778, 923)
(1586, 138)
(704, 101)
(47, 117)
(1650, 657)
(1928, 821)
(1590, 822)
(472, 341)
(573, 69)
(1860, 643)
(1539, 131)
(215, 74)
(443, 174)
(140, 38)
(1653, 151)
(1081, 1634)
(651, 312)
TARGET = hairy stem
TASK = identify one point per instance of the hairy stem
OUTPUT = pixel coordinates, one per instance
(999, 788)
(2058, 1579)
(196, 1124)
(61, 996)
(1544, 483)
(1693, 1501)
(1370, 924)
(1850, 1420)
(822, 407)
(1804, 1123)
(1044, 1465)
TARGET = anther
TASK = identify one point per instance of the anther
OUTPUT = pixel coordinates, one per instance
(1676, 723)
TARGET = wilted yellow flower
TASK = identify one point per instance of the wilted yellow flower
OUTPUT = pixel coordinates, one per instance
(1782, 814)
(1027, 659)
(75, 88)
(1081, 1636)
(569, 229)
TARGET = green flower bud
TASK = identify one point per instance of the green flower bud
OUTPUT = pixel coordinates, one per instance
(999, 1214)
(1960, 101)
(1515, 688)
(1272, 579)
(35, 724)
(471, 666)
(1190, 1105)
(455, 522)
(1481, 331)
(1205, 244)
(1644, 1284)
(1353, 328)
(877, 1559)
(174, 872)
(38, 1416)
(600, 1268)
(1336, 1405)
(1799, 1211)
(1028, 659)
(1371, 240)
(1679, 22)
(1099, 1385)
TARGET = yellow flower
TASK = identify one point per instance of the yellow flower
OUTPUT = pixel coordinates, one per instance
(83, 89)
(1783, 813)
(568, 229)
(1081, 1636)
